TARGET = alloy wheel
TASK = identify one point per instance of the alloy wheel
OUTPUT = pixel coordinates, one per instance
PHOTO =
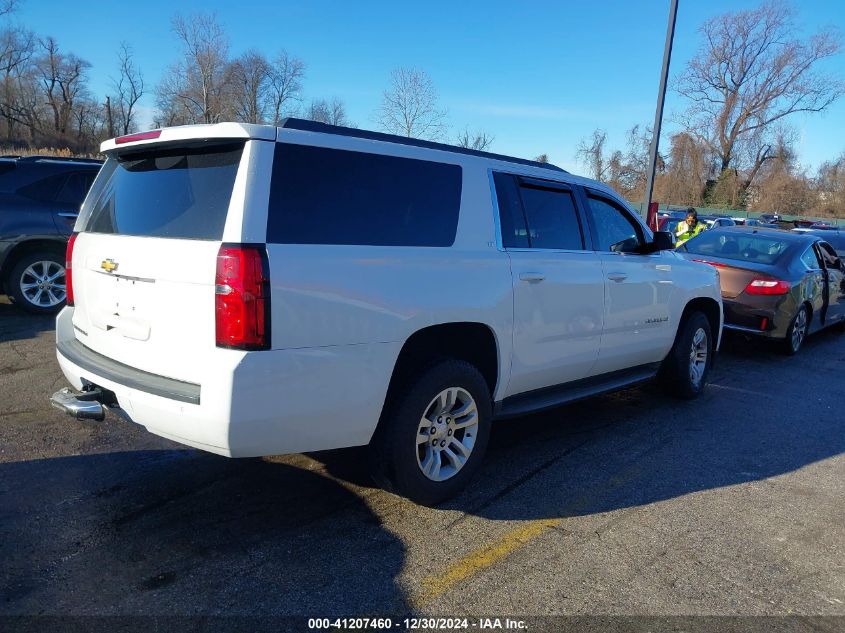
(43, 284)
(799, 329)
(447, 433)
(698, 356)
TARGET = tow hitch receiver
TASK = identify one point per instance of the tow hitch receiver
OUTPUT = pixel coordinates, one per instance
(83, 405)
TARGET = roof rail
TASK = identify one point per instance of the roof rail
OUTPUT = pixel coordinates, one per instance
(60, 159)
(305, 125)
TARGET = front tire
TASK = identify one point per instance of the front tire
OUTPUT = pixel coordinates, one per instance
(685, 370)
(37, 283)
(433, 433)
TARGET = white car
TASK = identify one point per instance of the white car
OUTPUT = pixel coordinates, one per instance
(252, 290)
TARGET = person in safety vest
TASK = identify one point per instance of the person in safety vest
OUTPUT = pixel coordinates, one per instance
(689, 228)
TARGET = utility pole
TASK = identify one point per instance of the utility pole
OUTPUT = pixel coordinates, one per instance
(661, 98)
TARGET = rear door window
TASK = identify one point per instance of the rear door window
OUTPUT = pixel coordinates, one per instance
(75, 187)
(174, 193)
(537, 214)
(330, 196)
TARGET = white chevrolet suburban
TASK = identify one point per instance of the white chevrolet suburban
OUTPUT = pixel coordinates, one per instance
(252, 290)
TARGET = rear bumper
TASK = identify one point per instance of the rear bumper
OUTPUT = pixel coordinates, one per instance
(251, 403)
(89, 360)
(769, 317)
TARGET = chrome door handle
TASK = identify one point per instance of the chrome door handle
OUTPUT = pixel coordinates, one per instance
(617, 276)
(532, 277)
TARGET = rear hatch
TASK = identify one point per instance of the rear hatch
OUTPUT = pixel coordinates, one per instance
(144, 260)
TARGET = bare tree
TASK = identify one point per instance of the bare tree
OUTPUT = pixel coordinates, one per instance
(479, 139)
(783, 187)
(17, 50)
(247, 79)
(7, 6)
(751, 72)
(128, 88)
(830, 187)
(284, 84)
(591, 153)
(410, 106)
(332, 112)
(686, 173)
(542, 158)
(63, 80)
(193, 90)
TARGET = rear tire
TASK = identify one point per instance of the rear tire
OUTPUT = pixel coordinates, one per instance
(37, 282)
(797, 332)
(685, 370)
(433, 433)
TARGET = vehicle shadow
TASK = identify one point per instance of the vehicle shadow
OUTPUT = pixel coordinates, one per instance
(641, 446)
(16, 324)
(183, 532)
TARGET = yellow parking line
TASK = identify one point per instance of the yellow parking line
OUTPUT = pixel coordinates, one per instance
(436, 584)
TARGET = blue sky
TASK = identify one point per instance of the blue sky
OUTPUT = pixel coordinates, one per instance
(539, 78)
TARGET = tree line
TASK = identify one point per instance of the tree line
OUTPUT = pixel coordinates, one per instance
(734, 145)
(46, 99)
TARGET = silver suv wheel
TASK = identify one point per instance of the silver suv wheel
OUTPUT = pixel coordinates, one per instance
(698, 356)
(446, 434)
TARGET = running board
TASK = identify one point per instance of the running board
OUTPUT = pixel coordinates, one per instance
(550, 397)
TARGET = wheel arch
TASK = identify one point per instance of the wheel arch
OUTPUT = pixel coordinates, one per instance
(471, 341)
(24, 248)
(711, 310)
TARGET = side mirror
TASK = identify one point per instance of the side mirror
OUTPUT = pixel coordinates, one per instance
(663, 241)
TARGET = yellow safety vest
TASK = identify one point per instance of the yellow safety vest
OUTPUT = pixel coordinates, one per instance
(685, 233)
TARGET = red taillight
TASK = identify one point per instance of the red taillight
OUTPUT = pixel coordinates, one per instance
(140, 136)
(69, 269)
(242, 297)
(767, 287)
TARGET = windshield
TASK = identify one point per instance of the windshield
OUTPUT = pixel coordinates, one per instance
(750, 247)
(165, 192)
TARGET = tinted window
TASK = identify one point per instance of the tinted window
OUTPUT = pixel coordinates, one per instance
(611, 224)
(552, 219)
(177, 193)
(511, 218)
(328, 196)
(749, 247)
(44, 189)
(75, 187)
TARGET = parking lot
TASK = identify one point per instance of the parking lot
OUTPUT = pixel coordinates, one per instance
(632, 504)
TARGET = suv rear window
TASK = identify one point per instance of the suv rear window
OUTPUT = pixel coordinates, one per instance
(329, 196)
(176, 193)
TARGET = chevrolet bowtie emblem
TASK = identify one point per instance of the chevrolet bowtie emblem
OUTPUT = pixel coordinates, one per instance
(109, 265)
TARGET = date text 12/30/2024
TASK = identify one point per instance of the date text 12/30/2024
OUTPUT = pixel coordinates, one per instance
(417, 624)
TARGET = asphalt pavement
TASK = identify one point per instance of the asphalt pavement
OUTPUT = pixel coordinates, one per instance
(633, 504)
